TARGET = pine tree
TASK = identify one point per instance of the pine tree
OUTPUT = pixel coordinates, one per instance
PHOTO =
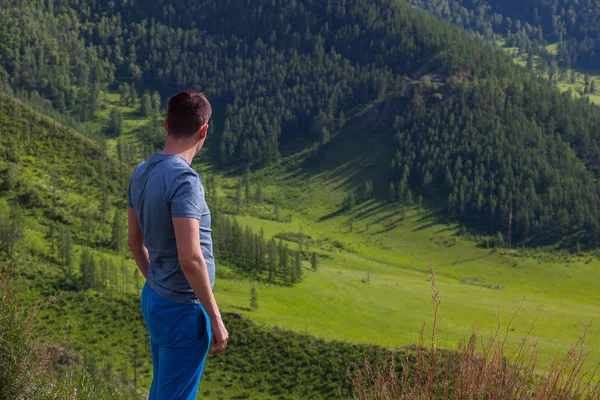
(117, 232)
(253, 299)
(146, 105)
(238, 199)
(259, 195)
(314, 261)
(368, 189)
(283, 261)
(115, 126)
(87, 269)
(324, 136)
(350, 201)
(262, 252)
(156, 102)
(247, 185)
(392, 192)
(272, 258)
(13, 229)
(500, 242)
(342, 120)
(132, 95)
(103, 281)
(68, 253)
(298, 267)
(11, 176)
(408, 198)
(587, 79)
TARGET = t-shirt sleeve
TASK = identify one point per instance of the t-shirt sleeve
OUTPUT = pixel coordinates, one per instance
(129, 201)
(130, 186)
(187, 196)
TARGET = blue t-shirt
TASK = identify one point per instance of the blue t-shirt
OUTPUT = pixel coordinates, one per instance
(163, 187)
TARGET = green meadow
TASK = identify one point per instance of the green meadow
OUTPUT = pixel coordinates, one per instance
(555, 294)
(373, 282)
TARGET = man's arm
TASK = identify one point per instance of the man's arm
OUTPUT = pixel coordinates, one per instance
(193, 265)
(135, 240)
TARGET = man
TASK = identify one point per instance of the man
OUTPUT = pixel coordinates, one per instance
(170, 238)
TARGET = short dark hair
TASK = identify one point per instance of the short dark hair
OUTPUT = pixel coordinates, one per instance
(187, 112)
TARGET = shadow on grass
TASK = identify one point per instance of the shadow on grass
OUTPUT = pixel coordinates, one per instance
(466, 260)
(242, 308)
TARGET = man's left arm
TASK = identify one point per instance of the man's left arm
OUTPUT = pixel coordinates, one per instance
(135, 240)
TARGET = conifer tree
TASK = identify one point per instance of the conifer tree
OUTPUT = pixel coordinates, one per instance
(314, 261)
(273, 260)
(156, 102)
(409, 197)
(238, 199)
(68, 252)
(350, 201)
(247, 185)
(253, 299)
(146, 105)
(133, 98)
(87, 269)
(115, 126)
(298, 267)
(259, 195)
(500, 242)
(118, 232)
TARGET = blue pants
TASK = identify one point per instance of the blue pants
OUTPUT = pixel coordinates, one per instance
(180, 336)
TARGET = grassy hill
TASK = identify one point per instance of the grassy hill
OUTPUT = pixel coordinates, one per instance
(371, 285)
(100, 328)
(417, 94)
(392, 251)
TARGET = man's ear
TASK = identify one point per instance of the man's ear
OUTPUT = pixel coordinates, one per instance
(166, 124)
(203, 131)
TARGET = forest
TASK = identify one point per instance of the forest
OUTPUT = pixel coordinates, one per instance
(258, 67)
(531, 25)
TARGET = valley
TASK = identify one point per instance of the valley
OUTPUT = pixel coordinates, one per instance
(332, 149)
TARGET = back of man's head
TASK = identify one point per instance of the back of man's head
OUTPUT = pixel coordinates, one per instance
(187, 112)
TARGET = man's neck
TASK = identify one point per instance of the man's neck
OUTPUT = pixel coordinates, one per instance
(182, 149)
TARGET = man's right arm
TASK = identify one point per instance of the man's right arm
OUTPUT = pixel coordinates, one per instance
(193, 265)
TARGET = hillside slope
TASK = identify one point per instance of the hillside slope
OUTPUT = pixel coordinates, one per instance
(268, 102)
(531, 25)
(54, 186)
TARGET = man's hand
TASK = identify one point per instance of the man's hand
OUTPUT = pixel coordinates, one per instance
(220, 336)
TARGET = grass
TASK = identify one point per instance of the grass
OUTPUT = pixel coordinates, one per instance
(371, 286)
(557, 292)
(482, 368)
